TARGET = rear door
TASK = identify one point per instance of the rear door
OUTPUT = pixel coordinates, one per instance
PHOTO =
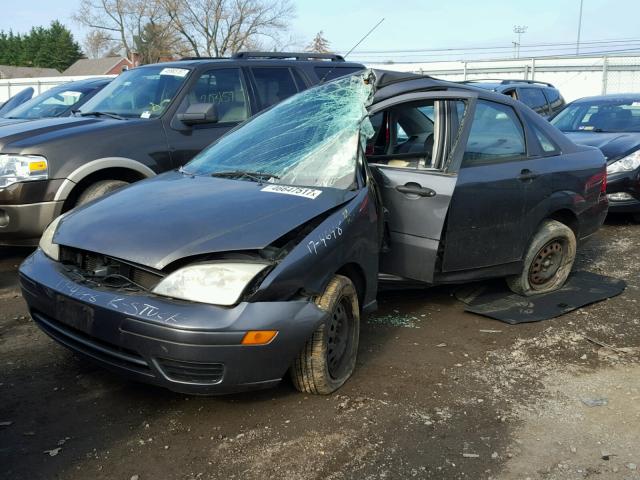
(501, 184)
(418, 139)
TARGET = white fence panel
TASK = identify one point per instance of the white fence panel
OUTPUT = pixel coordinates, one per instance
(11, 86)
(575, 77)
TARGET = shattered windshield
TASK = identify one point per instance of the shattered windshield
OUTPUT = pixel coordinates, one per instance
(310, 139)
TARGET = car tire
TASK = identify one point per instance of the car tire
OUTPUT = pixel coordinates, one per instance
(548, 261)
(99, 189)
(635, 217)
(329, 357)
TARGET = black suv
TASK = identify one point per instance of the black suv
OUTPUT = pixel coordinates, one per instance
(148, 120)
(543, 98)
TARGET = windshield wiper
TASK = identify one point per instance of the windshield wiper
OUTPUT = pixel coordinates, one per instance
(258, 177)
(102, 114)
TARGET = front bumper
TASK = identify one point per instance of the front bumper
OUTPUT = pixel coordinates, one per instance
(625, 182)
(186, 347)
(24, 224)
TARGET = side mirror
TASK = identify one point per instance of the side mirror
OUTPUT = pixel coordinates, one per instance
(199, 113)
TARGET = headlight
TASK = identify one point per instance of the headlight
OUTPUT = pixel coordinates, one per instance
(626, 164)
(51, 250)
(22, 168)
(215, 283)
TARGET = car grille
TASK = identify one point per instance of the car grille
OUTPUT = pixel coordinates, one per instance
(91, 346)
(192, 372)
(97, 267)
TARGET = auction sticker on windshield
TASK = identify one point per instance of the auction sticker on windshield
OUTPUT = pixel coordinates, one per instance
(289, 190)
(176, 72)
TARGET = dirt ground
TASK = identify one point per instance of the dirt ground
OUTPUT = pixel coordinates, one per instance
(437, 393)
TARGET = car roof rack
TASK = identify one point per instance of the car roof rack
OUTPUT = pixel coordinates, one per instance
(185, 59)
(507, 82)
(290, 55)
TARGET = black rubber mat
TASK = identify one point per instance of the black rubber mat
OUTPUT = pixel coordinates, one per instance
(495, 300)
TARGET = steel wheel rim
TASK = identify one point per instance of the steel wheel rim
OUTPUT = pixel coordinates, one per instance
(339, 338)
(546, 263)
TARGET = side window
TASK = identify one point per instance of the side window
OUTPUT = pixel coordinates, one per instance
(273, 84)
(408, 135)
(302, 85)
(548, 145)
(329, 73)
(554, 97)
(223, 88)
(533, 97)
(496, 135)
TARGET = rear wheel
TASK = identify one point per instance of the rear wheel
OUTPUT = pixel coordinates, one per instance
(636, 217)
(99, 189)
(329, 356)
(548, 261)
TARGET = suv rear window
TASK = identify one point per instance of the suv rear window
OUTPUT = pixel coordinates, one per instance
(329, 73)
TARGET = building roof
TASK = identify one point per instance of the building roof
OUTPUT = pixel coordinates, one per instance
(93, 66)
(9, 71)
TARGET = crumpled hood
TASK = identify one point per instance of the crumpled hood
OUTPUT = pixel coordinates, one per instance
(174, 216)
(613, 145)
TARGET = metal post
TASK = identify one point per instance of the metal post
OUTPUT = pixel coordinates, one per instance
(605, 74)
(579, 29)
(464, 71)
(533, 69)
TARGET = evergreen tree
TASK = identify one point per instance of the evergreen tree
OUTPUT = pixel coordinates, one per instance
(52, 47)
(319, 44)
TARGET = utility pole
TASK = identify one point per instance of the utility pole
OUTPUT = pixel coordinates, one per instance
(519, 30)
(579, 29)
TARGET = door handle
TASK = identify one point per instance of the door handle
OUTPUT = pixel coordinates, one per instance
(526, 175)
(416, 189)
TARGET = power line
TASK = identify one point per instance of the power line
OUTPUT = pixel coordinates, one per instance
(497, 47)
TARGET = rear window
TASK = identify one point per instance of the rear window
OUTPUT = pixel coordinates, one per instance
(329, 73)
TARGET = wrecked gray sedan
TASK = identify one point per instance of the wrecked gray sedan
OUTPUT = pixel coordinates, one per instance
(259, 256)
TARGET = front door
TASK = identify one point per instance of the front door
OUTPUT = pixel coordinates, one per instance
(418, 138)
(226, 89)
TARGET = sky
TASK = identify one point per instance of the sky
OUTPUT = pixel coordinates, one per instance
(415, 24)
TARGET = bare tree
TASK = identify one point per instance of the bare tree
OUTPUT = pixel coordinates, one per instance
(121, 20)
(319, 44)
(98, 43)
(114, 17)
(222, 27)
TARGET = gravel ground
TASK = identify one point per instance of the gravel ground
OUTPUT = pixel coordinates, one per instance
(438, 393)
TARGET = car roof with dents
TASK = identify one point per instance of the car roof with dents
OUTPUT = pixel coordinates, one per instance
(390, 84)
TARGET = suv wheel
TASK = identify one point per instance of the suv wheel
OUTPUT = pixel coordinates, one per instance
(548, 262)
(99, 189)
(329, 356)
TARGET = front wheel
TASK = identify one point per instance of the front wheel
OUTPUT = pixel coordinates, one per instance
(99, 189)
(548, 261)
(328, 358)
